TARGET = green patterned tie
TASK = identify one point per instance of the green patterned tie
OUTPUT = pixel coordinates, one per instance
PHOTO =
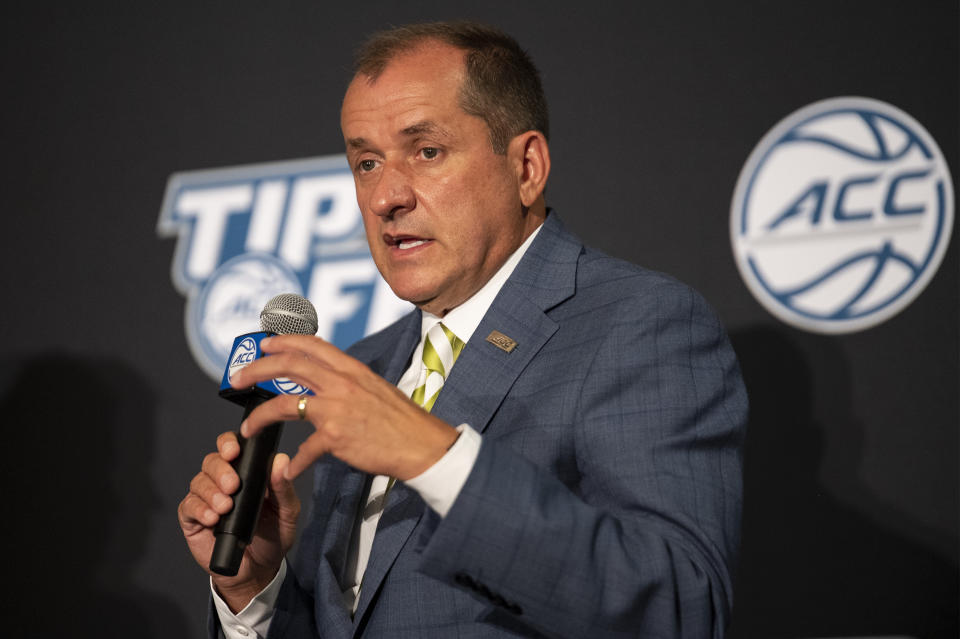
(440, 350)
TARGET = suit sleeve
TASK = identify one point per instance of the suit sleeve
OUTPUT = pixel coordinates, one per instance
(644, 543)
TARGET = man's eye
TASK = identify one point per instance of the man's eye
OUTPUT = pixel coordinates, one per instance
(367, 165)
(429, 152)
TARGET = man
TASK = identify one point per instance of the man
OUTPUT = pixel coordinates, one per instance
(591, 487)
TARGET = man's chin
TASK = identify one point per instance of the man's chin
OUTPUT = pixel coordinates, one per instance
(413, 294)
(426, 296)
(434, 305)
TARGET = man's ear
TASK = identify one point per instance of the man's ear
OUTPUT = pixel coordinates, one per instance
(530, 154)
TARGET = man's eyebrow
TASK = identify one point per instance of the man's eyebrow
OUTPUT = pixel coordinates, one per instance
(356, 143)
(428, 127)
(424, 127)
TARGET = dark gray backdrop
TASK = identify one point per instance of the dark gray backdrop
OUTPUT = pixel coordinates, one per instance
(851, 479)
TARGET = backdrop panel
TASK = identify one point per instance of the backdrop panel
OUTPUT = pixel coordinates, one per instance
(852, 498)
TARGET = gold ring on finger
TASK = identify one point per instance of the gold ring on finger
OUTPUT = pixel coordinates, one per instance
(302, 407)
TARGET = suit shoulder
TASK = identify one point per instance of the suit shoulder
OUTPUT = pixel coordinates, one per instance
(602, 277)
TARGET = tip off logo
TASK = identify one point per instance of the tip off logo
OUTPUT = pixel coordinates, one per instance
(245, 234)
(841, 215)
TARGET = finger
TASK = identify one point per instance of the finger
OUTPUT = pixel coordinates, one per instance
(195, 514)
(228, 446)
(309, 345)
(328, 356)
(206, 489)
(279, 409)
(312, 449)
(221, 473)
(313, 347)
(291, 365)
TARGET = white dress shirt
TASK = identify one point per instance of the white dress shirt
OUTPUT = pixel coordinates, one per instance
(439, 485)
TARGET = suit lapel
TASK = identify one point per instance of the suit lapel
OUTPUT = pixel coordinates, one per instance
(485, 373)
(340, 527)
(333, 619)
(402, 514)
(482, 376)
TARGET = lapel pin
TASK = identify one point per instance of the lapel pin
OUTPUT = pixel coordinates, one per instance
(501, 341)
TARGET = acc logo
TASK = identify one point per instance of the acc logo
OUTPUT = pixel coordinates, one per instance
(243, 354)
(841, 215)
(245, 234)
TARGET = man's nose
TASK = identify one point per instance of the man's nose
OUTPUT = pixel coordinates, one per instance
(393, 193)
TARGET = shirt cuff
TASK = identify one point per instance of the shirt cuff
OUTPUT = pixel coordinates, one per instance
(254, 620)
(440, 484)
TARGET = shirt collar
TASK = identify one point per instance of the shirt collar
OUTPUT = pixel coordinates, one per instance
(464, 319)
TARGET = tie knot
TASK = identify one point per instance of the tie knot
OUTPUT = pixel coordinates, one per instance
(440, 350)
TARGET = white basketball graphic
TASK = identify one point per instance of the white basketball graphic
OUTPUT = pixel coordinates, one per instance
(841, 215)
(230, 304)
(289, 387)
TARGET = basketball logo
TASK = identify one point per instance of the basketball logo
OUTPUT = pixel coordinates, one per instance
(841, 215)
(230, 302)
(289, 387)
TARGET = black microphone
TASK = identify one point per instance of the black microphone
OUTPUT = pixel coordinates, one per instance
(284, 314)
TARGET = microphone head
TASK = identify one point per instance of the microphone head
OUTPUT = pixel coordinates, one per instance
(289, 313)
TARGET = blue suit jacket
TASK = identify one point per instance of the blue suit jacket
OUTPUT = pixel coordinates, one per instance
(606, 497)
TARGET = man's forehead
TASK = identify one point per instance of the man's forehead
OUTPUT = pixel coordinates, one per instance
(413, 85)
(428, 60)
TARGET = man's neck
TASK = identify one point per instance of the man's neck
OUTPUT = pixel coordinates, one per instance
(464, 318)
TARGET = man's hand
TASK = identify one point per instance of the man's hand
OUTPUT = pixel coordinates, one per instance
(358, 416)
(209, 499)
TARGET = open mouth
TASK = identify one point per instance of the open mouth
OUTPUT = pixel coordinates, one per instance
(405, 242)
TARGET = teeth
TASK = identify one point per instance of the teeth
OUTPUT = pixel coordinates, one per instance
(408, 244)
